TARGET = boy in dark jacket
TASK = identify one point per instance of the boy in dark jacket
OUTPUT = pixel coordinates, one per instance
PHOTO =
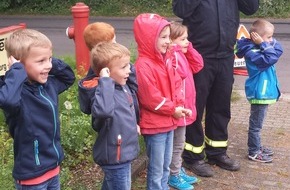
(261, 53)
(114, 115)
(94, 34)
(29, 98)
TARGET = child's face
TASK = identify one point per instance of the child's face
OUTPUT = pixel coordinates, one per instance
(182, 41)
(120, 69)
(38, 64)
(268, 36)
(163, 40)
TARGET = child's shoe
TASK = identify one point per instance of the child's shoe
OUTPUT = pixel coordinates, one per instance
(189, 179)
(177, 182)
(260, 157)
(267, 151)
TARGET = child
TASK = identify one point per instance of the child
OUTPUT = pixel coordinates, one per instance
(29, 98)
(156, 94)
(261, 53)
(94, 34)
(187, 61)
(97, 32)
(114, 115)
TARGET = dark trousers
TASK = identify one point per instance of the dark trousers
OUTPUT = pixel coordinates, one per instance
(213, 95)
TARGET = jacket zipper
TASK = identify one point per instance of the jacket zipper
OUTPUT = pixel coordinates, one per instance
(54, 120)
(36, 153)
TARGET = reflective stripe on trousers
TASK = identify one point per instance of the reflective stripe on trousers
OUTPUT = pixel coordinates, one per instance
(216, 144)
(198, 150)
(194, 149)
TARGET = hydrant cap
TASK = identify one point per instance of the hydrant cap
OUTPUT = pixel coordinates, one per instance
(80, 7)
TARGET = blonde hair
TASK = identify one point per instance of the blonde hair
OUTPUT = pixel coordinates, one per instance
(177, 29)
(98, 32)
(19, 43)
(261, 26)
(105, 52)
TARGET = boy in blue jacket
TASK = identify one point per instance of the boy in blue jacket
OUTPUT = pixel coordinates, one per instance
(261, 53)
(94, 34)
(29, 98)
(114, 115)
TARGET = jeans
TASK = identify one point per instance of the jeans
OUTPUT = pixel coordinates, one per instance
(257, 116)
(51, 184)
(178, 147)
(159, 151)
(117, 178)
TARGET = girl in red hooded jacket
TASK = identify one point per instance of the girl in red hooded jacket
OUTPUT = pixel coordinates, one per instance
(157, 96)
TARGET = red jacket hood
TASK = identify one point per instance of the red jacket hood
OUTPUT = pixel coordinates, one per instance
(147, 27)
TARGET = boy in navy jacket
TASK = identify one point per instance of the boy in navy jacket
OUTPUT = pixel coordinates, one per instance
(29, 98)
(114, 115)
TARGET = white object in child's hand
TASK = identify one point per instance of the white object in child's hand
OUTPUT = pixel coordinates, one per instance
(105, 72)
(11, 61)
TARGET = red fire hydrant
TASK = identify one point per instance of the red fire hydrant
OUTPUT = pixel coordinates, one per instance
(80, 14)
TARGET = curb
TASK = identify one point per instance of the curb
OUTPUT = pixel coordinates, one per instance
(139, 165)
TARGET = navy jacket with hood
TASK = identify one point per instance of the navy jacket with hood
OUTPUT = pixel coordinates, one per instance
(113, 108)
(114, 113)
(31, 111)
(87, 94)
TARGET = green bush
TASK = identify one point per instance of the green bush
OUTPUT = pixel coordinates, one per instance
(268, 8)
(97, 7)
(6, 157)
(274, 8)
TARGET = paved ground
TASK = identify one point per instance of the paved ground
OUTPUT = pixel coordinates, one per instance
(276, 133)
(253, 175)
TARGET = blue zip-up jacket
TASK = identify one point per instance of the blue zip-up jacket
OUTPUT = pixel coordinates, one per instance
(114, 119)
(31, 111)
(262, 86)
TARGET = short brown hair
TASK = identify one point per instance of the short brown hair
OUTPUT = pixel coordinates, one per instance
(261, 26)
(176, 29)
(19, 43)
(98, 32)
(105, 52)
